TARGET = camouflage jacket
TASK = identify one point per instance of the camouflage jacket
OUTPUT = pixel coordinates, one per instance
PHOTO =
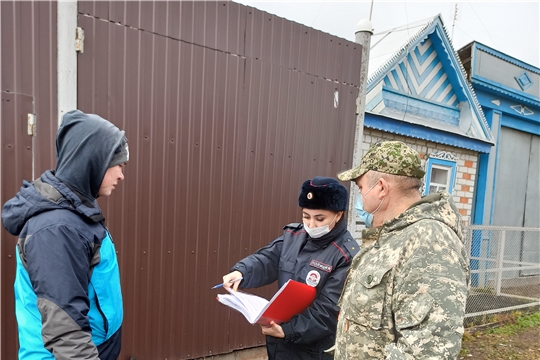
(405, 294)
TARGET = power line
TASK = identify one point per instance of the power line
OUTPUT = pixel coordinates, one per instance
(316, 16)
(481, 22)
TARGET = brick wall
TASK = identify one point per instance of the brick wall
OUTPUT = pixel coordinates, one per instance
(467, 162)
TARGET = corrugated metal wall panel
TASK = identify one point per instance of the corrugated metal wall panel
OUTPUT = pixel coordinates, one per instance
(300, 48)
(220, 143)
(44, 83)
(16, 164)
(29, 66)
(205, 150)
(219, 25)
(28, 85)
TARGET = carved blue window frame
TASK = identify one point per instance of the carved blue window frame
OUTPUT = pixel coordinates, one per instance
(441, 161)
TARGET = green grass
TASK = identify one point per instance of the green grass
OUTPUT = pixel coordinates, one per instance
(520, 322)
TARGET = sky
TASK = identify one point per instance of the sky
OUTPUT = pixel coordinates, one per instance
(512, 28)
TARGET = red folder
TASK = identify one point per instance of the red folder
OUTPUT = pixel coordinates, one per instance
(291, 299)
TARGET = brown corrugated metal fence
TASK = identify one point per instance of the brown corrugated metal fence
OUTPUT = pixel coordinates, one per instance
(227, 110)
(28, 86)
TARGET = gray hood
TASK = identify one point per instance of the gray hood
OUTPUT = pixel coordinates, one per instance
(85, 146)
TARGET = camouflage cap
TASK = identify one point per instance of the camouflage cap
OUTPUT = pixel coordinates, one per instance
(391, 157)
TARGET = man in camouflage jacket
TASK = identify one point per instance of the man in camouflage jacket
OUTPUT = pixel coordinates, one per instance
(405, 294)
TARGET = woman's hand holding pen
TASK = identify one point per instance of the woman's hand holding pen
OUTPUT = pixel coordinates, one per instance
(229, 280)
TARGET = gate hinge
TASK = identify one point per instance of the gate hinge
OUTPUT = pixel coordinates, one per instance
(79, 40)
(31, 124)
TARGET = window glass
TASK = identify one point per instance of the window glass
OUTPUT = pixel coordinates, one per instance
(440, 174)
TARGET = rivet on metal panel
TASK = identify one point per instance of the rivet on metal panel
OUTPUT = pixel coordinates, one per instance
(79, 40)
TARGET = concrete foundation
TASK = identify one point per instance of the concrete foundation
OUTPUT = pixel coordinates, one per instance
(257, 353)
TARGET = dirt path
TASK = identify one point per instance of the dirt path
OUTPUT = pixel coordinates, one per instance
(525, 345)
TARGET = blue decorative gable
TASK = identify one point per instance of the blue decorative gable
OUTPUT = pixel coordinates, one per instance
(422, 75)
(524, 80)
(418, 78)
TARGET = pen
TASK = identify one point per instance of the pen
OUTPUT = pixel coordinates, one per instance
(230, 282)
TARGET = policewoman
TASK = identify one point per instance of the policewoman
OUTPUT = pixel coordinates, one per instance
(316, 252)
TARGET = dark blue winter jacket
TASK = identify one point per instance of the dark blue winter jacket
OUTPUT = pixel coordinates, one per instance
(67, 287)
(321, 262)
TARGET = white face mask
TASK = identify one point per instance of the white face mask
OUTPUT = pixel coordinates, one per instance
(320, 231)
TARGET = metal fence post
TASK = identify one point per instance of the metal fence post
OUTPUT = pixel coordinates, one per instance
(500, 261)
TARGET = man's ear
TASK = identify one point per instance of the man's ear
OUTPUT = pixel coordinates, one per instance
(385, 187)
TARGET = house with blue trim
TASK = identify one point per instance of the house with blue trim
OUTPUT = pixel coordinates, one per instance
(474, 118)
(417, 92)
(508, 183)
(509, 92)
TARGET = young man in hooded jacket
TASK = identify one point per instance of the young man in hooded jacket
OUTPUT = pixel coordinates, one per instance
(68, 300)
(404, 297)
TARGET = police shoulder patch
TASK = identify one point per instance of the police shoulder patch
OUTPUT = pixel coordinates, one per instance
(313, 278)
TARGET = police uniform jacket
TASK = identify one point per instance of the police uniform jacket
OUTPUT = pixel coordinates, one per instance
(294, 255)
